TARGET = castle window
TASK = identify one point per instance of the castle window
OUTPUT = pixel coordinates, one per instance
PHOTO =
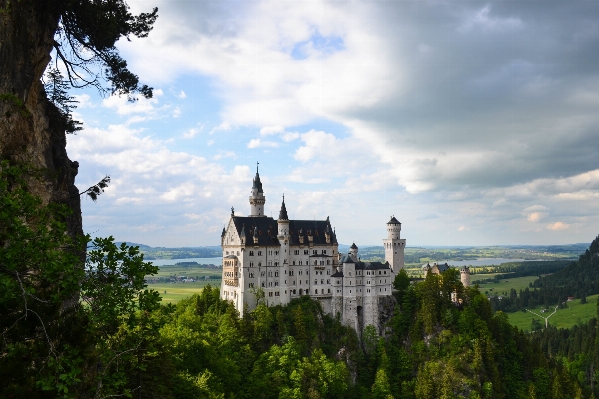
(300, 272)
(263, 284)
(259, 264)
(251, 285)
(314, 252)
(321, 281)
(251, 275)
(315, 282)
(276, 263)
(296, 252)
(259, 253)
(315, 262)
(251, 253)
(227, 252)
(316, 291)
(324, 251)
(306, 252)
(251, 264)
(329, 290)
(328, 281)
(328, 262)
(276, 252)
(293, 263)
(270, 284)
(270, 294)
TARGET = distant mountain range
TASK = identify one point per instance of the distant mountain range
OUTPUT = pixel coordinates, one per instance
(413, 254)
(152, 253)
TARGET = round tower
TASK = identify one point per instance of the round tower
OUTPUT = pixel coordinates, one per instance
(257, 199)
(353, 251)
(393, 229)
(465, 276)
(394, 245)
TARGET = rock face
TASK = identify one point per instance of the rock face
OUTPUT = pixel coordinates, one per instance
(28, 133)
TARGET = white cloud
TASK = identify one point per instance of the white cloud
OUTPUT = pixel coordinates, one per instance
(224, 154)
(558, 226)
(224, 126)
(268, 130)
(182, 95)
(177, 112)
(256, 143)
(191, 133)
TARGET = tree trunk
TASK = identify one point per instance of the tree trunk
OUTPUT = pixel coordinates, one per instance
(28, 132)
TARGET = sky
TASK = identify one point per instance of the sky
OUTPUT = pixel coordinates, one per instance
(472, 122)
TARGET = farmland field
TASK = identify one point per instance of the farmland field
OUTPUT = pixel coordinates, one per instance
(168, 281)
(574, 313)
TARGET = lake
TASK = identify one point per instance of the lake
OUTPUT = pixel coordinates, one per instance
(479, 262)
(201, 261)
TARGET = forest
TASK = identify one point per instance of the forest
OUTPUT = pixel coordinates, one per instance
(577, 279)
(78, 321)
(98, 331)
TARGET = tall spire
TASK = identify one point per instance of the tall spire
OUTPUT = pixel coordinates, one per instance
(283, 212)
(257, 198)
(257, 183)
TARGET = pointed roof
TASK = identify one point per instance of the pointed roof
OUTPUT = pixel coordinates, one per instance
(257, 183)
(242, 234)
(353, 246)
(283, 213)
(347, 259)
(224, 232)
(393, 221)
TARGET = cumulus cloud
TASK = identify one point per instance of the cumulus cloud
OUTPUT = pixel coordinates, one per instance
(558, 226)
(496, 120)
(224, 126)
(256, 143)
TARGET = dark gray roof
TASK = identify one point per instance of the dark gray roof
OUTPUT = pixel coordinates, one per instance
(353, 246)
(393, 221)
(347, 259)
(444, 267)
(266, 229)
(224, 232)
(283, 211)
(372, 265)
(337, 274)
(257, 183)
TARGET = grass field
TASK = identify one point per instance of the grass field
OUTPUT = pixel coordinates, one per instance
(573, 314)
(173, 292)
(502, 287)
(177, 291)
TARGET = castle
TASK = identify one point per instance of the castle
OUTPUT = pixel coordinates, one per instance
(439, 269)
(290, 258)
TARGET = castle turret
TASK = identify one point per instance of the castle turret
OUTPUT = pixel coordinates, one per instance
(353, 252)
(394, 245)
(257, 199)
(465, 276)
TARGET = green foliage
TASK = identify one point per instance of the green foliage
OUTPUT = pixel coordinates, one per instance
(86, 38)
(64, 314)
(57, 91)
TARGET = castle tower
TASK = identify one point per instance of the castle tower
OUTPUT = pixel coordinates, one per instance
(465, 276)
(394, 245)
(353, 251)
(257, 199)
(349, 315)
(283, 237)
